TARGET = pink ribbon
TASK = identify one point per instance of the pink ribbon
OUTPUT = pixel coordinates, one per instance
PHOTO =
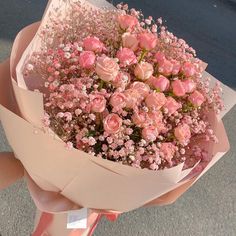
(47, 218)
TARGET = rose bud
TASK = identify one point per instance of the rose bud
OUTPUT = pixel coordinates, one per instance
(93, 44)
(130, 41)
(160, 58)
(178, 88)
(112, 123)
(161, 83)
(196, 98)
(98, 103)
(172, 105)
(118, 101)
(188, 69)
(127, 21)
(166, 68)
(107, 68)
(189, 85)
(143, 70)
(150, 133)
(176, 67)
(142, 88)
(87, 59)
(126, 57)
(183, 133)
(155, 100)
(147, 41)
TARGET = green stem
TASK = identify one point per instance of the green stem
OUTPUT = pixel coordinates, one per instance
(142, 55)
(101, 84)
(99, 123)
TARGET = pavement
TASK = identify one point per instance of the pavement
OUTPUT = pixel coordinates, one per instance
(209, 207)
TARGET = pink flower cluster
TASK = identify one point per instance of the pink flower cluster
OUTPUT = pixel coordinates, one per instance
(138, 98)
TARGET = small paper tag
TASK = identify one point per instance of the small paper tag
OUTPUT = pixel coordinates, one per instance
(77, 219)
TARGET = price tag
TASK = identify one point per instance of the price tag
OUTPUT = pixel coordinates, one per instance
(77, 219)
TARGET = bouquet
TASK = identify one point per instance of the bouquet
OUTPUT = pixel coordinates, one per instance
(111, 106)
(124, 90)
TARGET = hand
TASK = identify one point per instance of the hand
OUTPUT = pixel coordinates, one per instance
(10, 169)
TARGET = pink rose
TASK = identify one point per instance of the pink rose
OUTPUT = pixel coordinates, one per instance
(188, 69)
(126, 57)
(87, 59)
(127, 21)
(160, 58)
(183, 133)
(140, 118)
(149, 133)
(132, 98)
(196, 98)
(98, 103)
(189, 85)
(112, 123)
(166, 67)
(118, 101)
(93, 44)
(142, 88)
(155, 100)
(143, 70)
(130, 41)
(160, 83)
(147, 41)
(171, 105)
(178, 88)
(150, 80)
(107, 68)
(176, 67)
(168, 150)
(156, 117)
(121, 80)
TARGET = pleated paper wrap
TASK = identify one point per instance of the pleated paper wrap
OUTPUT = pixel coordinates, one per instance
(59, 179)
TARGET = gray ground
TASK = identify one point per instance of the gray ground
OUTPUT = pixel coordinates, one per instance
(208, 208)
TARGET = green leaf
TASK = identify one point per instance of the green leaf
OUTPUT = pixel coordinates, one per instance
(98, 147)
(91, 133)
(136, 135)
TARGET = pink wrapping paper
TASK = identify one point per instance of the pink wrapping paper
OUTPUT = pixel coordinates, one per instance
(60, 180)
(112, 180)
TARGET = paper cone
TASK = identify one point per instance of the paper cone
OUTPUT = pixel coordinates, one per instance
(110, 181)
(78, 177)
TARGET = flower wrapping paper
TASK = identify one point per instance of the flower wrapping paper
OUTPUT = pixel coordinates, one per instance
(61, 180)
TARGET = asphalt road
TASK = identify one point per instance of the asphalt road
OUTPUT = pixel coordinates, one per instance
(208, 208)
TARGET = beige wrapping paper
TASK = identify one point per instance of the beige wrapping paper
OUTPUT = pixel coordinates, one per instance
(87, 181)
